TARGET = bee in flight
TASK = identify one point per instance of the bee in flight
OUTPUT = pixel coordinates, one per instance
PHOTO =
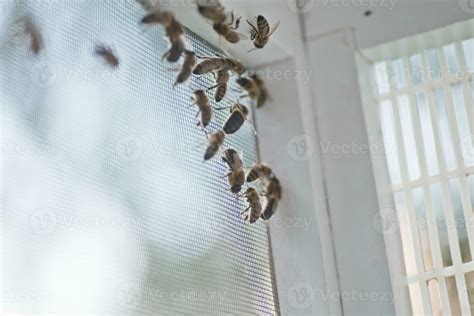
(236, 175)
(215, 12)
(108, 54)
(261, 33)
(190, 61)
(173, 31)
(273, 195)
(259, 171)
(201, 100)
(211, 64)
(253, 212)
(237, 118)
(215, 141)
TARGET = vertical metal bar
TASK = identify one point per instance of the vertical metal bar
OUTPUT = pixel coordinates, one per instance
(409, 204)
(457, 260)
(465, 85)
(434, 236)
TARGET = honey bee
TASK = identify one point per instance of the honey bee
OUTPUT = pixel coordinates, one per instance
(263, 92)
(215, 140)
(211, 64)
(250, 86)
(215, 12)
(202, 102)
(237, 118)
(227, 30)
(236, 176)
(30, 29)
(222, 77)
(233, 159)
(190, 61)
(253, 211)
(261, 33)
(173, 31)
(273, 196)
(107, 54)
(259, 171)
(212, 10)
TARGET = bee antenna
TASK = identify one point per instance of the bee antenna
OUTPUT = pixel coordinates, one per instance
(252, 50)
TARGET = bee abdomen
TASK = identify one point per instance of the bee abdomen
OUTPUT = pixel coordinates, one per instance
(220, 92)
(234, 122)
(269, 209)
(174, 53)
(206, 115)
(207, 66)
(211, 151)
(262, 25)
(253, 215)
(244, 83)
(253, 175)
(183, 76)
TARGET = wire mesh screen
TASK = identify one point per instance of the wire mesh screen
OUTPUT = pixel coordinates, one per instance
(107, 204)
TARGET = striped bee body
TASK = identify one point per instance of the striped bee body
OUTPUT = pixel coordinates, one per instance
(189, 63)
(253, 212)
(259, 171)
(215, 142)
(239, 113)
(270, 208)
(202, 102)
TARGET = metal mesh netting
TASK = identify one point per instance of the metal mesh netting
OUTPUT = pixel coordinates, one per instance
(107, 204)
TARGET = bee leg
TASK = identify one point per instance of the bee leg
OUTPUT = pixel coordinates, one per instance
(253, 26)
(220, 109)
(228, 174)
(246, 210)
(237, 90)
(213, 87)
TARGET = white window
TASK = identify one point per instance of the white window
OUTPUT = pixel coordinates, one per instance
(418, 98)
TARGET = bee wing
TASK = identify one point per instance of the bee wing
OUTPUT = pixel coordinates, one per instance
(277, 24)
